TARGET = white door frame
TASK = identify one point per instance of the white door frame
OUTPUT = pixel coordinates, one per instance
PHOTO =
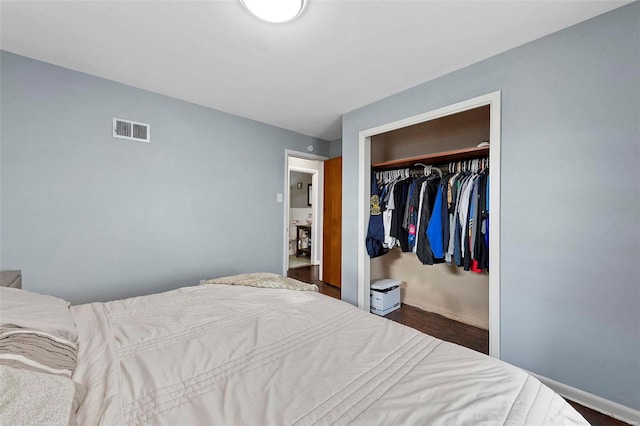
(364, 188)
(317, 183)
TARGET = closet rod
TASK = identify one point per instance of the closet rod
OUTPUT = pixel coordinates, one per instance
(420, 168)
(439, 158)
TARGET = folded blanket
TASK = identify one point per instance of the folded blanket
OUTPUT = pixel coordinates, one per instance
(37, 351)
(262, 280)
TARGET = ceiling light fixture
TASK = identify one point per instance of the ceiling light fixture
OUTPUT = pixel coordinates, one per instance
(275, 11)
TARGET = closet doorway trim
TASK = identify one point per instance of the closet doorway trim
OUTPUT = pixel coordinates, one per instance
(318, 206)
(364, 187)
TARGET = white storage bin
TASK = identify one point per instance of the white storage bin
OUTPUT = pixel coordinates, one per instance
(385, 296)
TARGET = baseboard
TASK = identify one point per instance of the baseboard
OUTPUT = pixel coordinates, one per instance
(602, 405)
(438, 310)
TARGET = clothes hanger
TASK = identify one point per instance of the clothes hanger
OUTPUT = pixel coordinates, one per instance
(429, 169)
(425, 168)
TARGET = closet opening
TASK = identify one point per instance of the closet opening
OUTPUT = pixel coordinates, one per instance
(460, 139)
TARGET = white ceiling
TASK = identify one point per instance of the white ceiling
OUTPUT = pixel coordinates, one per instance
(337, 56)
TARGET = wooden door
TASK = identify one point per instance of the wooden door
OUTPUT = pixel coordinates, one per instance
(332, 227)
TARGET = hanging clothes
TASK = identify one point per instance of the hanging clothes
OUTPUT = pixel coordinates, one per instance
(439, 218)
(434, 229)
(375, 233)
(397, 230)
(423, 250)
(481, 248)
(388, 207)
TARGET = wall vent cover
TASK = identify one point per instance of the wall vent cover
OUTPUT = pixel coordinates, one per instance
(127, 129)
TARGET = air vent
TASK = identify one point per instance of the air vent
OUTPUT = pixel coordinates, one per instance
(126, 129)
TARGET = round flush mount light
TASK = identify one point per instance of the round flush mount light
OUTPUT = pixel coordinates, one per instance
(275, 11)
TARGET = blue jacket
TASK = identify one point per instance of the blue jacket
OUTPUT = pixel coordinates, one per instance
(434, 229)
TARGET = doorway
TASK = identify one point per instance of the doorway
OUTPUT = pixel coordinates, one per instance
(300, 219)
(303, 204)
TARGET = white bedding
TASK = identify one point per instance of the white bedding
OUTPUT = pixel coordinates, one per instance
(232, 355)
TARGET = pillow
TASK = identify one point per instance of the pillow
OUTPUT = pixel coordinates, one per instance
(24, 309)
(263, 280)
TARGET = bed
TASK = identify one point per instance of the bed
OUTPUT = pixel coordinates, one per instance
(230, 354)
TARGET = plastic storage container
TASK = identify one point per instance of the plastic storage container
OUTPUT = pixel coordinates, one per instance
(385, 296)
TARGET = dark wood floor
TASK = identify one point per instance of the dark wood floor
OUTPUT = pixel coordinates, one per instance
(309, 274)
(594, 417)
(442, 328)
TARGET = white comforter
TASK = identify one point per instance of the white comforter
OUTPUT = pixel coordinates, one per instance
(231, 355)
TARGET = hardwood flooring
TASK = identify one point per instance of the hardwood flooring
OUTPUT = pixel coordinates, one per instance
(594, 417)
(443, 328)
(310, 275)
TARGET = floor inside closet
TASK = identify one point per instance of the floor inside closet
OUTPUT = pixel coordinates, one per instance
(443, 328)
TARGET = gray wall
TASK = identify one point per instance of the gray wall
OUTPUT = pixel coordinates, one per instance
(299, 197)
(335, 148)
(570, 289)
(88, 217)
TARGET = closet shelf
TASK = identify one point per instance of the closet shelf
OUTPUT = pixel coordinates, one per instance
(436, 158)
